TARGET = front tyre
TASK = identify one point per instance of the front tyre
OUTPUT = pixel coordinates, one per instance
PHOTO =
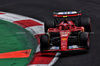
(84, 40)
(44, 42)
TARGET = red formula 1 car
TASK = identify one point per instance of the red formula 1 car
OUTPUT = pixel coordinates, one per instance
(69, 32)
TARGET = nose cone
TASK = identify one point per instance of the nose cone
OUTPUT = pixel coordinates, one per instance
(64, 40)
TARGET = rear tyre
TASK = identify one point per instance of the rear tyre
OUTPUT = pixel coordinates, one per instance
(85, 21)
(49, 24)
(84, 40)
(44, 42)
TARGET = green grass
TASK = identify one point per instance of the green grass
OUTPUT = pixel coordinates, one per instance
(15, 38)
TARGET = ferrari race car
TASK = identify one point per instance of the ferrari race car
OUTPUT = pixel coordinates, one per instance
(68, 32)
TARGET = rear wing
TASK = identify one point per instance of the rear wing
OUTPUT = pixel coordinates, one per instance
(67, 14)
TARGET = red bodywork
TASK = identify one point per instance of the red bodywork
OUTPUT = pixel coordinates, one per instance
(65, 30)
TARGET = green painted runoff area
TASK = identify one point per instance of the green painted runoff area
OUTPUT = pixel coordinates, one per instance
(15, 38)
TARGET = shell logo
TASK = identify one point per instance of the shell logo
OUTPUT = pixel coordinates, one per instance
(64, 38)
(64, 16)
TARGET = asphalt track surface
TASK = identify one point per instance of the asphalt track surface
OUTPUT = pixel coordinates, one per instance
(42, 10)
